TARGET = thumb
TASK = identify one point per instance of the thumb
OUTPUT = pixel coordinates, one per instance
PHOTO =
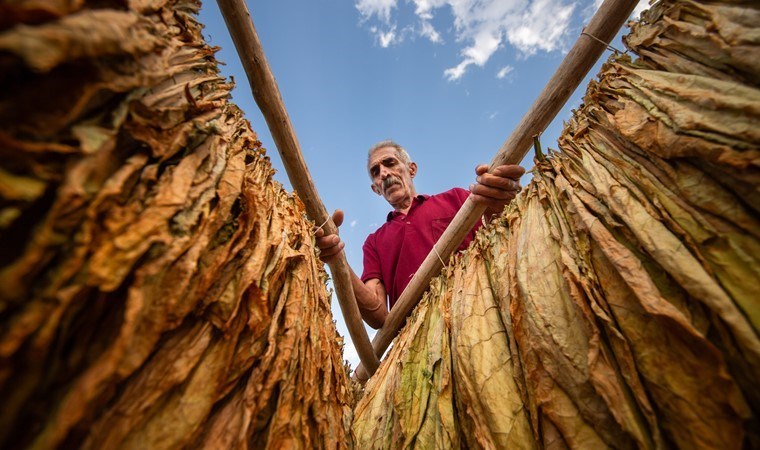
(337, 217)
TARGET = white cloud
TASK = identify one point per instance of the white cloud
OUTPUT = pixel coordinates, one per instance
(353, 223)
(504, 71)
(482, 27)
(527, 25)
(493, 115)
(424, 8)
(427, 30)
(455, 73)
(424, 12)
(485, 44)
(386, 38)
(542, 26)
(379, 8)
(386, 34)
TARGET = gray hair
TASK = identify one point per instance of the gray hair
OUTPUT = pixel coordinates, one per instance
(401, 154)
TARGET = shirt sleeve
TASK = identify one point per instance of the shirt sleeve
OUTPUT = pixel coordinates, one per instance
(371, 260)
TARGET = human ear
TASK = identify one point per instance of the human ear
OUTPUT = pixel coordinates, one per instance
(412, 169)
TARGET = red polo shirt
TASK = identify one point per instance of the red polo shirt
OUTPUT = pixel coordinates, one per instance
(396, 250)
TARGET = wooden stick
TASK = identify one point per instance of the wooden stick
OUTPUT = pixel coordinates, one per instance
(602, 29)
(267, 96)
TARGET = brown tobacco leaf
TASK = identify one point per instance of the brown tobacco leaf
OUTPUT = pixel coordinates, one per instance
(489, 402)
(160, 290)
(696, 383)
(86, 34)
(34, 11)
(413, 403)
(715, 39)
(564, 358)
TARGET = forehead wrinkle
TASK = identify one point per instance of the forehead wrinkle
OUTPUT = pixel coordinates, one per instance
(384, 161)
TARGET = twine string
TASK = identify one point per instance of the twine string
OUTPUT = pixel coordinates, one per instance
(439, 256)
(609, 46)
(320, 227)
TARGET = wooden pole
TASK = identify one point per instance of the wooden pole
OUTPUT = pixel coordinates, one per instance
(267, 96)
(588, 48)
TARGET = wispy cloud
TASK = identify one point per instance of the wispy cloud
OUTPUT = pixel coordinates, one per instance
(481, 27)
(427, 30)
(380, 8)
(504, 71)
(385, 34)
(485, 43)
(541, 26)
(424, 12)
(386, 38)
(352, 224)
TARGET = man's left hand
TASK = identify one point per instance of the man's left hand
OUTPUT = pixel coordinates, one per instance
(496, 189)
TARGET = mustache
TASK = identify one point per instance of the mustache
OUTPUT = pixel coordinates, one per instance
(390, 181)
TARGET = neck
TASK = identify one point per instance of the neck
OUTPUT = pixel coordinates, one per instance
(405, 204)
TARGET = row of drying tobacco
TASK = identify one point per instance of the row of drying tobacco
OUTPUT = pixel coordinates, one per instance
(159, 290)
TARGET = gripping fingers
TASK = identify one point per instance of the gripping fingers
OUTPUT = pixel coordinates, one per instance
(327, 242)
(329, 252)
(506, 184)
(329, 246)
(509, 171)
(485, 191)
(489, 202)
(503, 171)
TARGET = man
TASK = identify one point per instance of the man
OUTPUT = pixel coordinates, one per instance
(395, 251)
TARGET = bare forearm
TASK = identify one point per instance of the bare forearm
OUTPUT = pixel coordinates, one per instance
(371, 304)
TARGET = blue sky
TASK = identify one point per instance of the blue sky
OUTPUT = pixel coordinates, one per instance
(447, 79)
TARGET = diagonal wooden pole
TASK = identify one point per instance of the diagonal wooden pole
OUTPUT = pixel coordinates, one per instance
(588, 48)
(267, 96)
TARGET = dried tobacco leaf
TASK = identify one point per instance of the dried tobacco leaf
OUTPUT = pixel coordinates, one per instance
(489, 401)
(160, 290)
(413, 404)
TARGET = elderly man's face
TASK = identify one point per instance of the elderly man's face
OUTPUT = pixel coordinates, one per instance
(391, 178)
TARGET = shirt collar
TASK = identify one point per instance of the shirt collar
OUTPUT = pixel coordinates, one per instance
(415, 201)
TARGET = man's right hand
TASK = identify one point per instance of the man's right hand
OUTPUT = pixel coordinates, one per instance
(371, 295)
(331, 245)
